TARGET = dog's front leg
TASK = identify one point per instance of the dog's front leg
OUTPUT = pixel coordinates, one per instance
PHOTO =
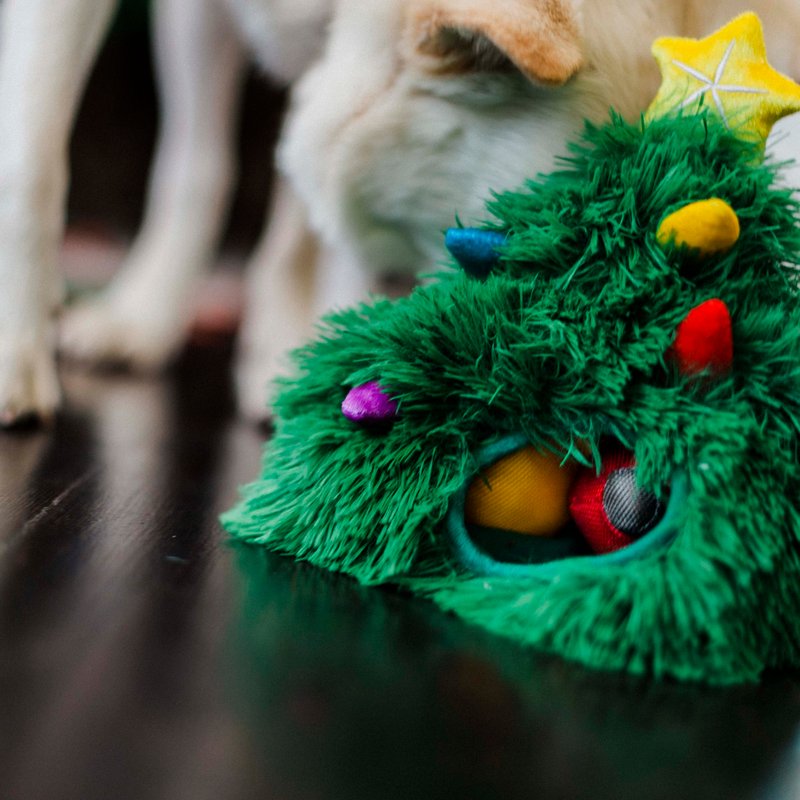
(46, 50)
(140, 320)
(292, 279)
(279, 300)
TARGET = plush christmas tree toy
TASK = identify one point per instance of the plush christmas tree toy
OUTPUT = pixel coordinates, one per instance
(586, 439)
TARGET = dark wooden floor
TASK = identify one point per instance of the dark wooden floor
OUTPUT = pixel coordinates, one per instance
(143, 656)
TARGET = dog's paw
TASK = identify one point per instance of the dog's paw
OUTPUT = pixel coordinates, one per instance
(29, 387)
(101, 332)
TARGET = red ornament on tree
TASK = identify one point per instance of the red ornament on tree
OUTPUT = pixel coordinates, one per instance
(704, 340)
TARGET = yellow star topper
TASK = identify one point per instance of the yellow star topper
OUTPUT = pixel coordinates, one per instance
(727, 72)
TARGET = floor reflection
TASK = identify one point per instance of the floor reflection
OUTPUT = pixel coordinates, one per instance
(109, 659)
(353, 692)
(785, 782)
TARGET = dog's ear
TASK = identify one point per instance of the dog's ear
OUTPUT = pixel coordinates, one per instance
(538, 37)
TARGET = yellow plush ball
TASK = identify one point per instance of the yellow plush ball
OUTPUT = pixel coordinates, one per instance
(525, 492)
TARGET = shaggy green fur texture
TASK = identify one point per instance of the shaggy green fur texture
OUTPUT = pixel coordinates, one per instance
(566, 340)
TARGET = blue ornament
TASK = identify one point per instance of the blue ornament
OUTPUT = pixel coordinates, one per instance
(474, 249)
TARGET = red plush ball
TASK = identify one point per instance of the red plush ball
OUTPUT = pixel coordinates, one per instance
(610, 509)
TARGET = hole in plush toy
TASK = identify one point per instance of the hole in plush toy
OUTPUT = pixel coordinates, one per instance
(529, 508)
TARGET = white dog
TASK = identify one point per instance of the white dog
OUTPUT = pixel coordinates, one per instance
(415, 109)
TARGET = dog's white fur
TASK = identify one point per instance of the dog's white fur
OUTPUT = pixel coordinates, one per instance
(414, 110)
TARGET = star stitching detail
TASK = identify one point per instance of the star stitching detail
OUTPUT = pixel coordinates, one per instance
(713, 85)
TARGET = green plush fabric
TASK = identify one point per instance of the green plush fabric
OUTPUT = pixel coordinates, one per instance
(566, 340)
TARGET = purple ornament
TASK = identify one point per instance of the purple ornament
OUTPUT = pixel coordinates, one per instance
(369, 404)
